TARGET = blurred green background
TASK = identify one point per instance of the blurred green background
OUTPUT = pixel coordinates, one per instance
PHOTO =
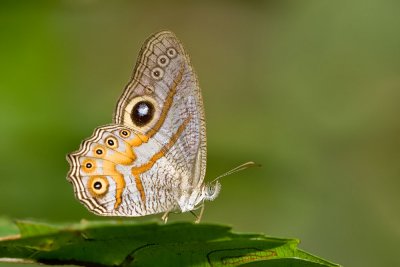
(309, 89)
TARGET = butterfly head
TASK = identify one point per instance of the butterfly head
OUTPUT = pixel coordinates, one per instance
(211, 190)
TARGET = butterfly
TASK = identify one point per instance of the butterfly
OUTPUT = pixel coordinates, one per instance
(152, 158)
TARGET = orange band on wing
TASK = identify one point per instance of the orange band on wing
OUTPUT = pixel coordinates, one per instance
(139, 187)
(138, 139)
(136, 171)
(118, 179)
(167, 103)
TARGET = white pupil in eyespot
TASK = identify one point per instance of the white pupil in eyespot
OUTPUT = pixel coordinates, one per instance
(143, 109)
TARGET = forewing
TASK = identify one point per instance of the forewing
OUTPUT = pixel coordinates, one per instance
(163, 77)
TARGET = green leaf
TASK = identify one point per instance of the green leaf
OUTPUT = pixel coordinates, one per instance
(7, 228)
(122, 243)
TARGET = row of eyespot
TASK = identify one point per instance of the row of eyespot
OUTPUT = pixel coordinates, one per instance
(111, 142)
(162, 61)
(99, 185)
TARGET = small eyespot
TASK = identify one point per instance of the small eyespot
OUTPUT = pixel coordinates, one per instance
(149, 90)
(88, 165)
(157, 73)
(171, 52)
(124, 133)
(111, 142)
(162, 61)
(98, 186)
(99, 151)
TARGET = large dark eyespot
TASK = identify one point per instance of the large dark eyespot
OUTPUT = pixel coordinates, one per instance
(142, 113)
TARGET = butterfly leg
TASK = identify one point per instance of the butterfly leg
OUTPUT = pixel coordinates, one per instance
(165, 216)
(200, 214)
(198, 217)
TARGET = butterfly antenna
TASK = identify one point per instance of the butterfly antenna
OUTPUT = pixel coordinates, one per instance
(211, 190)
(237, 169)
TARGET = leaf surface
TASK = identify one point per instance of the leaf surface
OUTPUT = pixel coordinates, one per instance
(122, 243)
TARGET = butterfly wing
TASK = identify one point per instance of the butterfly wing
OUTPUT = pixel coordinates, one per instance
(164, 75)
(153, 158)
